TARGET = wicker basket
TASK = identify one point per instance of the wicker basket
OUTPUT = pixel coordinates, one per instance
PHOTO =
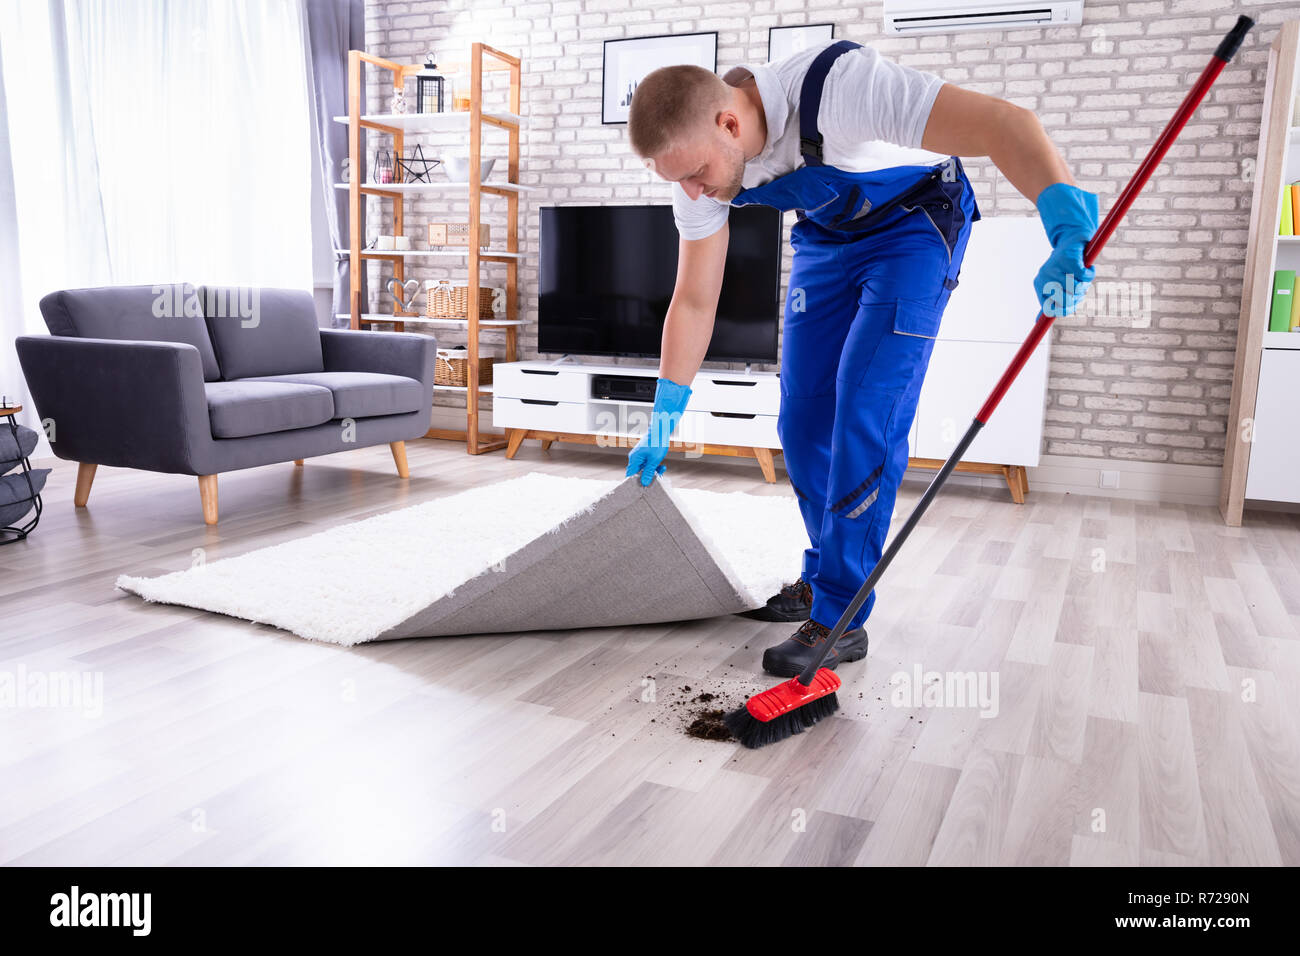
(447, 301)
(450, 370)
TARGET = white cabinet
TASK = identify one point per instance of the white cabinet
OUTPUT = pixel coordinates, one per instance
(987, 318)
(1274, 473)
(995, 299)
(960, 377)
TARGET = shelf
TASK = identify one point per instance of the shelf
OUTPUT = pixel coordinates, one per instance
(471, 129)
(433, 122)
(1282, 340)
(488, 254)
(482, 389)
(1288, 238)
(426, 320)
(381, 189)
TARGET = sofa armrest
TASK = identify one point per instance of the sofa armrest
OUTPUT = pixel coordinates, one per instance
(391, 353)
(132, 404)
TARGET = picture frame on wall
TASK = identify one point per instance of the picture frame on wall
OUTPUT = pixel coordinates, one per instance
(628, 62)
(785, 41)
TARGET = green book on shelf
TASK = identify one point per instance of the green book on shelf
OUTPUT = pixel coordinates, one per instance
(1279, 319)
(1295, 312)
(1287, 226)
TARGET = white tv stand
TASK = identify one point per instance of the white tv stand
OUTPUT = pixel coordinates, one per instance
(734, 413)
(729, 413)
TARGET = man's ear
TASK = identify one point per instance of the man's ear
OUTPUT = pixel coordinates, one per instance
(729, 122)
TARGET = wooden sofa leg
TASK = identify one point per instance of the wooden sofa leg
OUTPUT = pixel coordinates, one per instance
(85, 478)
(298, 462)
(208, 494)
(399, 458)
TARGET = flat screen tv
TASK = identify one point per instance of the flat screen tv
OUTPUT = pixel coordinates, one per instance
(606, 276)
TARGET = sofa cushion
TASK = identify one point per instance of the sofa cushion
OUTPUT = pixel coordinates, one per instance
(16, 495)
(154, 313)
(262, 331)
(12, 452)
(240, 409)
(361, 394)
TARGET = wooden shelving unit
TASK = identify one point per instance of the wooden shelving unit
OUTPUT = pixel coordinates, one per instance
(483, 58)
(1266, 373)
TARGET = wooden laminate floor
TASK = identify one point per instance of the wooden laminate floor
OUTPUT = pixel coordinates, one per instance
(1146, 659)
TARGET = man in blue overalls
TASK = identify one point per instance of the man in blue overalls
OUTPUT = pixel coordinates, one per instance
(878, 248)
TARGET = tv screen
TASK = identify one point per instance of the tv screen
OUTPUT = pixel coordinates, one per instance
(606, 277)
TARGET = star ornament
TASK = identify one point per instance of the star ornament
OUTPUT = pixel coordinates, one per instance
(416, 168)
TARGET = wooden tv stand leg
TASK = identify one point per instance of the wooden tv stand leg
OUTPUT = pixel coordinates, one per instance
(765, 462)
(514, 438)
(1016, 476)
(1018, 481)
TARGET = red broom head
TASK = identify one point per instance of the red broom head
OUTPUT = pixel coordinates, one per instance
(783, 698)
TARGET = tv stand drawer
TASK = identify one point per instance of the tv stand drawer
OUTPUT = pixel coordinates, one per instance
(541, 414)
(728, 428)
(760, 395)
(559, 384)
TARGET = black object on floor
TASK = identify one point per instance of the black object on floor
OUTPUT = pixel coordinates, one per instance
(20, 493)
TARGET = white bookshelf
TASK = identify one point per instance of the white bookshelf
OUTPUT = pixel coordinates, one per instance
(1262, 457)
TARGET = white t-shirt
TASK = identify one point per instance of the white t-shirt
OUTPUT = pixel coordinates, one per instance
(873, 115)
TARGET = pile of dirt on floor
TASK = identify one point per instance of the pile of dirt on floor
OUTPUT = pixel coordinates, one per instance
(708, 725)
(699, 712)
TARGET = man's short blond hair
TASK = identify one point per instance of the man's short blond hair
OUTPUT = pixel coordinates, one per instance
(671, 102)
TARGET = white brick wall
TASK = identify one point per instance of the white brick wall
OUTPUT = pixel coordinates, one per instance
(1152, 390)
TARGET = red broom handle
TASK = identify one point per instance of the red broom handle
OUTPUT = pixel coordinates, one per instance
(1226, 49)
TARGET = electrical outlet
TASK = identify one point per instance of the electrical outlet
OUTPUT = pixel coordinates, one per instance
(1109, 479)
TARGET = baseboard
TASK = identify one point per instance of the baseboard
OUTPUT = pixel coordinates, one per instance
(1138, 480)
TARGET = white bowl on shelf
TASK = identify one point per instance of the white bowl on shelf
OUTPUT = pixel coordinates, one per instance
(457, 168)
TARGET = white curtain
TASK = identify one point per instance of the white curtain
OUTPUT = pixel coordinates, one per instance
(154, 141)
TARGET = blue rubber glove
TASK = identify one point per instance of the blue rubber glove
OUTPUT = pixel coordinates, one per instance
(647, 457)
(1069, 215)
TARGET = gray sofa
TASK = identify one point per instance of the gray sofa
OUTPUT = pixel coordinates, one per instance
(202, 380)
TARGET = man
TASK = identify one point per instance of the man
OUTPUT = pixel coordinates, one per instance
(878, 248)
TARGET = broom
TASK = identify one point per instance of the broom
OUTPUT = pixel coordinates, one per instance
(801, 702)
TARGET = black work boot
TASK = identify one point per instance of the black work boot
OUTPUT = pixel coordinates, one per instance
(792, 603)
(795, 653)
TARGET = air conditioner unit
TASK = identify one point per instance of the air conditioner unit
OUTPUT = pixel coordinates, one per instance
(910, 17)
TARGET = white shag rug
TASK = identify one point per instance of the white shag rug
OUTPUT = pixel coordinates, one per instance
(353, 583)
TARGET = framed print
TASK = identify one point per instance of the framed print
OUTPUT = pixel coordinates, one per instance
(784, 41)
(627, 62)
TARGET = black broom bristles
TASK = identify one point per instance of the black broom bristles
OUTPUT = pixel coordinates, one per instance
(754, 733)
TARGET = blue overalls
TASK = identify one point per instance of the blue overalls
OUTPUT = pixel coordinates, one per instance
(876, 256)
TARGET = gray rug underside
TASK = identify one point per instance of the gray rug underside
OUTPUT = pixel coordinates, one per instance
(632, 559)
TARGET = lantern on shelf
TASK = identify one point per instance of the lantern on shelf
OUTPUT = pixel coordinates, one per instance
(429, 85)
(383, 171)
